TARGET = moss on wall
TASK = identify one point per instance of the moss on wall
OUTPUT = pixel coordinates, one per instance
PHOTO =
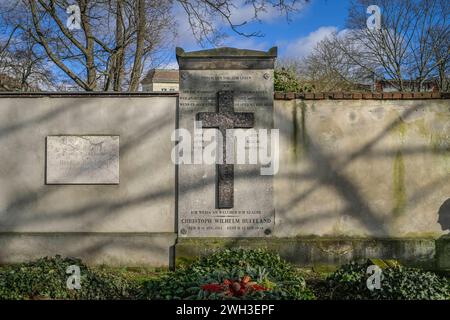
(443, 253)
(399, 171)
(421, 127)
(399, 188)
(304, 132)
(401, 128)
(439, 143)
(322, 251)
(295, 130)
(300, 139)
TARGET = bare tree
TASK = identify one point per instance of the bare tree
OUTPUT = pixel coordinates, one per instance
(118, 39)
(412, 45)
(405, 45)
(439, 45)
(32, 71)
(22, 68)
(329, 69)
(203, 14)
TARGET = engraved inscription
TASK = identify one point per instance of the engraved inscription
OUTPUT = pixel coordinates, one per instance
(82, 160)
(225, 200)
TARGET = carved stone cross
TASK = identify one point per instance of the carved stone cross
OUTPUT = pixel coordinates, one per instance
(223, 119)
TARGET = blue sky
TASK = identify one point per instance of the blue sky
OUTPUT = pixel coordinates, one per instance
(298, 37)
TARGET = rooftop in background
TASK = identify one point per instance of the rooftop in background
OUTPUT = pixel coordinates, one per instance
(161, 76)
(161, 80)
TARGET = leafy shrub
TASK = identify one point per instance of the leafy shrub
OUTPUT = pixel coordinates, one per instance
(266, 268)
(286, 80)
(398, 283)
(46, 279)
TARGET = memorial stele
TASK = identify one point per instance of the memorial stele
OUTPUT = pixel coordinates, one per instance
(225, 89)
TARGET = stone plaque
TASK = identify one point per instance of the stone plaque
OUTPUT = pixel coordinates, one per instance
(225, 89)
(82, 160)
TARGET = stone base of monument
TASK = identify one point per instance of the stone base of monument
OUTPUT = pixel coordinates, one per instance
(113, 249)
(322, 252)
(443, 253)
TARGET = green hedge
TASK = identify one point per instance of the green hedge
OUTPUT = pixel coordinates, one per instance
(398, 283)
(263, 267)
(264, 274)
(46, 278)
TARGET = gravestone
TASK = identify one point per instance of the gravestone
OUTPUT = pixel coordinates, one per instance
(82, 160)
(225, 89)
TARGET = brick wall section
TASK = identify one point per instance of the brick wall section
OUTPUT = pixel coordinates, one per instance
(362, 95)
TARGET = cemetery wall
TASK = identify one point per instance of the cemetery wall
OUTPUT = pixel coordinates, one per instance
(358, 178)
(132, 222)
(361, 176)
(362, 168)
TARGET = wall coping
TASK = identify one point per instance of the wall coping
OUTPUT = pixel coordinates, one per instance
(362, 95)
(83, 94)
(277, 95)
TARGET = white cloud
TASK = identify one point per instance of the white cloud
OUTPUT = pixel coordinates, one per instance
(185, 37)
(245, 12)
(246, 43)
(240, 12)
(302, 46)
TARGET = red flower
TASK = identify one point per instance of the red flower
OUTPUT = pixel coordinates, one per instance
(234, 288)
(212, 287)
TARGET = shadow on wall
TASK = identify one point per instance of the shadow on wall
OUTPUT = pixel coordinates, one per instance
(22, 210)
(444, 215)
(334, 173)
(29, 203)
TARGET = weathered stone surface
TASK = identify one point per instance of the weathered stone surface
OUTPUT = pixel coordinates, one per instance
(224, 119)
(143, 202)
(327, 253)
(375, 169)
(82, 160)
(225, 200)
(341, 176)
(443, 253)
(227, 52)
(97, 248)
(226, 59)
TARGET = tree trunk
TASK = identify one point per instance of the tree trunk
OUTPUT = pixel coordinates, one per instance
(90, 42)
(120, 43)
(140, 38)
